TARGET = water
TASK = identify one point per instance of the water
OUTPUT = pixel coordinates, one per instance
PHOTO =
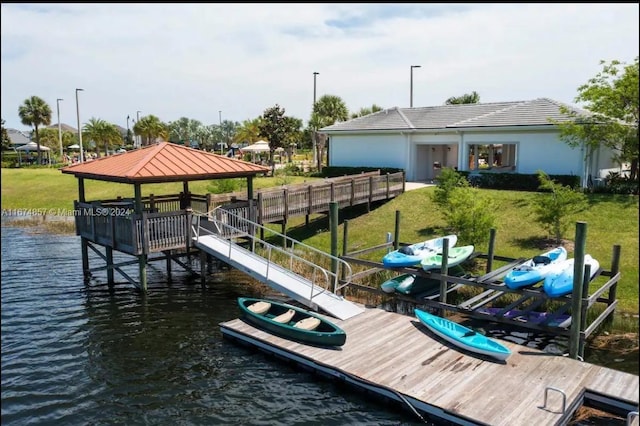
(76, 354)
(83, 355)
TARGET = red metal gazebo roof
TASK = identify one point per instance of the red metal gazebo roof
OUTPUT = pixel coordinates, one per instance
(164, 162)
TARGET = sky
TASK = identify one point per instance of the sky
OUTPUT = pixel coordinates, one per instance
(233, 61)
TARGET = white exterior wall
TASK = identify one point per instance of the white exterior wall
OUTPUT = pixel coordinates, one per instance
(535, 150)
(416, 152)
(382, 150)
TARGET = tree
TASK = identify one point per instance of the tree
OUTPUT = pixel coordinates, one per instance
(248, 131)
(470, 214)
(103, 134)
(366, 111)
(467, 98)
(328, 110)
(151, 128)
(6, 141)
(35, 112)
(206, 136)
(277, 129)
(228, 131)
(467, 211)
(611, 97)
(447, 180)
(184, 130)
(553, 206)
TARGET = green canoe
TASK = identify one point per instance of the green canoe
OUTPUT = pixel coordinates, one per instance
(291, 322)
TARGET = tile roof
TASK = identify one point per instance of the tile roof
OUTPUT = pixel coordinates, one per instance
(536, 112)
(18, 137)
(164, 162)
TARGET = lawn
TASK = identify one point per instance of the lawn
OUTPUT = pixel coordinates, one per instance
(611, 219)
(42, 188)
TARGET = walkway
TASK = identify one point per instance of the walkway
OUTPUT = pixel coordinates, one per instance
(215, 236)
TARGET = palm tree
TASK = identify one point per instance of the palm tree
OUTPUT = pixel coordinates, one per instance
(467, 98)
(328, 110)
(366, 111)
(184, 130)
(35, 112)
(102, 134)
(248, 131)
(206, 135)
(150, 127)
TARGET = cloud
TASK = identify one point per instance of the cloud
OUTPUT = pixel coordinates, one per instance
(193, 60)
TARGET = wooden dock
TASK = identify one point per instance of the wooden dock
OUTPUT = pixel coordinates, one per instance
(396, 357)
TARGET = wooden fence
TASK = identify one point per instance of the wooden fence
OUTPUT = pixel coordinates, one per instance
(165, 219)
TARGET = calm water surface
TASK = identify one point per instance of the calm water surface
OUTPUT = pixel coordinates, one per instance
(76, 354)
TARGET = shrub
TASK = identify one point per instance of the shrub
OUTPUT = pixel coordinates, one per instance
(467, 212)
(553, 207)
(224, 186)
(447, 180)
(470, 215)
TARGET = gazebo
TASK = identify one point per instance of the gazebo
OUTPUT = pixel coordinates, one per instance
(154, 224)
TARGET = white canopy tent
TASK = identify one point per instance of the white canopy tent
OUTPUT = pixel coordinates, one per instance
(256, 147)
(33, 147)
(260, 146)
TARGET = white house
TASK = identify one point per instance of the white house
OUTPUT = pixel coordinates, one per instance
(500, 137)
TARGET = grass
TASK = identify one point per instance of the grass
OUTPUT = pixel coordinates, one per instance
(611, 220)
(42, 188)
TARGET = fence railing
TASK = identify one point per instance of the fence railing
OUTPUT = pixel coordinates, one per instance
(320, 268)
(163, 224)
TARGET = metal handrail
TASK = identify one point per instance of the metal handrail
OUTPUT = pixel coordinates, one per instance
(630, 417)
(243, 225)
(564, 397)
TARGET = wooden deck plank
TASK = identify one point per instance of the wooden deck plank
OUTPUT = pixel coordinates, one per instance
(396, 352)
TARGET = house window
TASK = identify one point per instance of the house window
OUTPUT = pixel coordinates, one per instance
(496, 157)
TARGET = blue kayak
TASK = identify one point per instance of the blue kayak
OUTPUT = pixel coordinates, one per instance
(412, 254)
(535, 269)
(462, 336)
(560, 281)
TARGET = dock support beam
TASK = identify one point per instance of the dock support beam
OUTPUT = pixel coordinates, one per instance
(396, 236)
(203, 268)
(333, 225)
(142, 269)
(444, 270)
(109, 253)
(615, 268)
(576, 296)
(492, 241)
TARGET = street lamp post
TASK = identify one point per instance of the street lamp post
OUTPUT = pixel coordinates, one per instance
(127, 130)
(59, 128)
(411, 87)
(79, 128)
(139, 137)
(315, 154)
(220, 121)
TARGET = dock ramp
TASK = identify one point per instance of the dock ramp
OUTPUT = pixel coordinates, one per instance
(218, 232)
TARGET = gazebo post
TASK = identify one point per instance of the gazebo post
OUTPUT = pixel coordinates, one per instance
(142, 258)
(84, 245)
(249, 187)
(143, 238)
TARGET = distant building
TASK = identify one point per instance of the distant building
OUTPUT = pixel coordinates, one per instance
(18, 137)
